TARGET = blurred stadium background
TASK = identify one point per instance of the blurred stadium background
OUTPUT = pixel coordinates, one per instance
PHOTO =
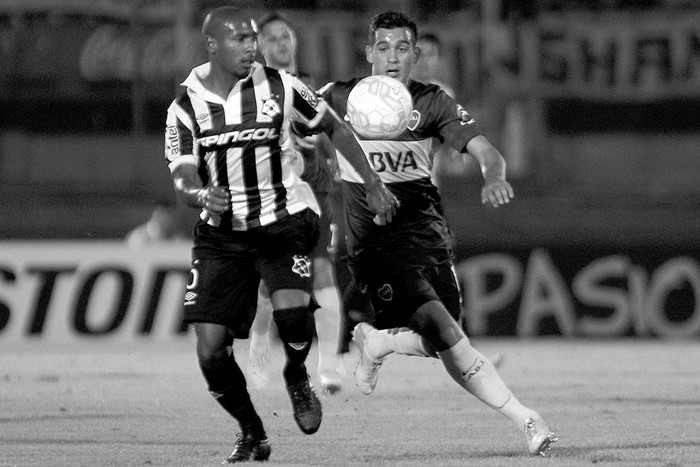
(593, 103)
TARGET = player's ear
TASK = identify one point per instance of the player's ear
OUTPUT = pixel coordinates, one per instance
(210, 44)
(416, 53)
(368, 53)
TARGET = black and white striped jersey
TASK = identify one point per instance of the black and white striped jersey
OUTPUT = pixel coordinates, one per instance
(243, 143)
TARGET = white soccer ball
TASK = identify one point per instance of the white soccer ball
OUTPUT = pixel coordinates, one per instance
(379, 107)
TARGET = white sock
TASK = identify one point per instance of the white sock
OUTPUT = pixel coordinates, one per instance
(402, 341)
(327, 319)
(471, 370)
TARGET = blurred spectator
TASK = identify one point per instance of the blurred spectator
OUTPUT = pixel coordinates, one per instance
(278, 44)
(430, 66)
(447, 162)
(169, 222)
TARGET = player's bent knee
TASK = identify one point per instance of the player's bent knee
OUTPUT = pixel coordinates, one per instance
(294, 324)
(211, 357)
(434, 323)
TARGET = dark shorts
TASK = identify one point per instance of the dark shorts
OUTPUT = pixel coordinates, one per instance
(227, 268)
(396, 290)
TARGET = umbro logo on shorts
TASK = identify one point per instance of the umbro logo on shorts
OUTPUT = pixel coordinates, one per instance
(190, 298)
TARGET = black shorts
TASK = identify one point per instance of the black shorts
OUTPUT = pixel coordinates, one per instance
(227, 267)
(396, 289)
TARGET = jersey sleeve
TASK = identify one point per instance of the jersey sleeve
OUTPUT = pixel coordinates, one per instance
(335, 95)
(455, 126)
(307, 107)
(180, 147)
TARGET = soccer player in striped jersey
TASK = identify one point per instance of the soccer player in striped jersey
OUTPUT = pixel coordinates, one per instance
(406, 266)
(278, 47)
(227, 147)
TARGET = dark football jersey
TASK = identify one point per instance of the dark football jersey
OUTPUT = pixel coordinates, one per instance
(418, 232)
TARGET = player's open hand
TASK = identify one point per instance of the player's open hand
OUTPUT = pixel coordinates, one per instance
(215, 199)
(496, 192)
(381, 202)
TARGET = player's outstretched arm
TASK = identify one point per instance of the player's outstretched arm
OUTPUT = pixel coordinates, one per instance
(379, 199)
(212, 198)
(496, 191)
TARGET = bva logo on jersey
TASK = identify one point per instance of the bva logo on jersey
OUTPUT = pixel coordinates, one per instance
(385, 161)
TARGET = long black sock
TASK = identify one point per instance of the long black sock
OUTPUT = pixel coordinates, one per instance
(296, 330)
(227, 385)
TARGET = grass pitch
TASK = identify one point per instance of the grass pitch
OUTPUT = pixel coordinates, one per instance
(622, 402)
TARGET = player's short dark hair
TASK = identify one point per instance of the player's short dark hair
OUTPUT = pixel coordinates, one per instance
(271, 17)
(391, 20)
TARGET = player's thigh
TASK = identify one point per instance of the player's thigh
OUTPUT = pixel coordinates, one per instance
(396, 291)
(212, 340)
(434, 323)
(444, 280)
(222, 291)
(283, 261)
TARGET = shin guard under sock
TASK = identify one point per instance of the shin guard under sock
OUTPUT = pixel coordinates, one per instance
(476, 374)
(296, 328)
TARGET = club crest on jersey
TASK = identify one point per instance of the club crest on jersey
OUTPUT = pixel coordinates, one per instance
(270, 106)
(414, 120)
(302, 265)
(464, 116)
(386, 293)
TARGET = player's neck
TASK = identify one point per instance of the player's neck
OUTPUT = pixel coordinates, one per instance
(220, 82)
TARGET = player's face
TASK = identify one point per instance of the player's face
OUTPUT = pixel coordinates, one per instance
(278, 44)
(234, 47)
(393, 53)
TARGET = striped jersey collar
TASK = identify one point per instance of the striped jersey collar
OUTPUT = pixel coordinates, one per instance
(194, 79)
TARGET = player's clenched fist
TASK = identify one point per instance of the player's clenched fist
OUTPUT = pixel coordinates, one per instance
(215, 199)
(381, 202)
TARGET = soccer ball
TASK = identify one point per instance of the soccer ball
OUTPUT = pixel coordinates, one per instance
(379, 107)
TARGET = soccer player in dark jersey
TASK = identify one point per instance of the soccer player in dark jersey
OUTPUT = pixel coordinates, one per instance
(227, 147)
(278, 47)
(406, 266)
